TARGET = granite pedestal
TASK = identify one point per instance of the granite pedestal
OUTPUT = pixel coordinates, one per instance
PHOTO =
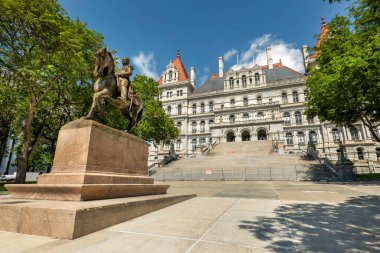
(91, 162)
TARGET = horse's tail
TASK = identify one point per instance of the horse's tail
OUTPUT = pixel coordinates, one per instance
(139, 115)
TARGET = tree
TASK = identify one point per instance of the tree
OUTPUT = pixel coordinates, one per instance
(155, 125)
(345, 84)
(50, 57)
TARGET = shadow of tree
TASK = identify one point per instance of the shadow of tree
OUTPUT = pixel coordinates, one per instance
(316, 172)
(352, 226)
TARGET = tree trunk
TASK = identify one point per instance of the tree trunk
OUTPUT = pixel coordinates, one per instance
(368, 124)
(22, 161)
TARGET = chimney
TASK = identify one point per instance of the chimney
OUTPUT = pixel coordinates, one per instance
(305, 55)
(221, 67)
(269, 58)
(192, 76)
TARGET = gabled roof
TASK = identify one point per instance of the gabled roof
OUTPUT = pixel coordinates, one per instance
(279, 72)
(321, 37)
(182, 73)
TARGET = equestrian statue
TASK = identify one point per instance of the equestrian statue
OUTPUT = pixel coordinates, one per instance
(115, 89)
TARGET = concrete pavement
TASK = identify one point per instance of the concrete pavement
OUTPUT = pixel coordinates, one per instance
(238, 217)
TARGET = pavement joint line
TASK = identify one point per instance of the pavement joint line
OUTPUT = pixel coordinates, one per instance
(283, 214)
(238, 244)
(208, 230)
(154, 235)
(352, 189)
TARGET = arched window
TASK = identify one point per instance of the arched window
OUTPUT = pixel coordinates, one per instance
(194, 127)
(313, 136)
(169, 110)
(245, 116)
(354, 133)
(202, 126)
(301, 138)
(211, 121)
(232, 102)
(295, 97)
(289, 138)
(260, 115)
(298, 117)
(245, 101)
(231, 82)
(194, 108)
(259, 100)
(211, 106)
(306, 94)
(202, 107)
(257, 78)
(194, 143)
(178, 144)
(170, 75)
(179, 126)
(286, 118)
(360, 153)
(284, 98)
(250, 80)
(335, 135)
(179, 108)
(244, 81)
(202, 141)
(232, 119)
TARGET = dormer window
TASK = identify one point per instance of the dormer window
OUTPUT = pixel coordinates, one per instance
(231, 82)
(170, 75)
(257, 78)
(244, 81)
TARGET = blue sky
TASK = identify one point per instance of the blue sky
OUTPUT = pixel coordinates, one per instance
(149, 32)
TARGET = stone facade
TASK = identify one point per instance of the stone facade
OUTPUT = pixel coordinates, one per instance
(253, 103)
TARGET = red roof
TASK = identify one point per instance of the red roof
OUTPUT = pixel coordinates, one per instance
(182, 73)
(321, 37)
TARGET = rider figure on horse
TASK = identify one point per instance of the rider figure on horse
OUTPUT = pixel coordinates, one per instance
(124, 83)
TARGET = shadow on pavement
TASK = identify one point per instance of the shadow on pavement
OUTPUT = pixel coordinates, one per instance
(352, 226)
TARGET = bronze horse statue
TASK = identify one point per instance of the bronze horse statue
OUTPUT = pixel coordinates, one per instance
(106, 91)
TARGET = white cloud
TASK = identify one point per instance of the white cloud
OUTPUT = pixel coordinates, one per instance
(146, 64)
(229, 54)
(256, 53)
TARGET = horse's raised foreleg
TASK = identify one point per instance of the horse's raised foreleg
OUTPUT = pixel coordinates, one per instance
(95, 103)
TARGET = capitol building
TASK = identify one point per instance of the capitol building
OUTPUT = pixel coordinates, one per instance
(253, 104)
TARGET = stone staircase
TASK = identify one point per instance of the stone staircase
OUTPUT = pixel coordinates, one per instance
(254, 160)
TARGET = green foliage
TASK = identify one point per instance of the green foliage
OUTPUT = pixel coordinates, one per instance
(155, 124)
(49, 58)
(345, 85)
(369, 176)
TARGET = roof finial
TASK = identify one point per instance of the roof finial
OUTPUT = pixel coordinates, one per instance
(178, 52)
(323, 21)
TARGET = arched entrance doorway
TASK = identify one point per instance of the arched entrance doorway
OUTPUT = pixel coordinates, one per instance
(262, 134)
(245, 135)
(230, 137)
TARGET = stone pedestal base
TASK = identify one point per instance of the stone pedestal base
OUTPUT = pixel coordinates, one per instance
(345, 170)
(73, 219)
(93, 162)
(79, 192)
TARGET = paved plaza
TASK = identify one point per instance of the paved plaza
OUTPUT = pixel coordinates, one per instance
(238, 217)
